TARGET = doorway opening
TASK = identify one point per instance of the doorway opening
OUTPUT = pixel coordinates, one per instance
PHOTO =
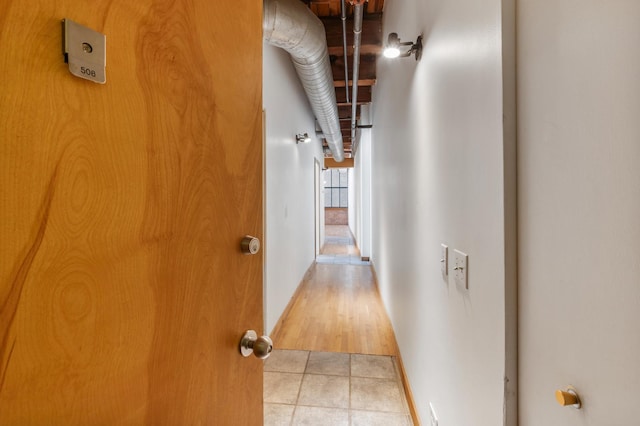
(336, 197)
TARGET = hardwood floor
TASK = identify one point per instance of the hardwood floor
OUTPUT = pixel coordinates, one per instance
(337, 307)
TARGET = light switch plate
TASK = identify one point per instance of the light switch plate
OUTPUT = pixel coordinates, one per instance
(444, 260)
(432, 414)
(461, 268)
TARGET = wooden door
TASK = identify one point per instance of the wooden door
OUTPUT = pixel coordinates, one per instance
(123, 291)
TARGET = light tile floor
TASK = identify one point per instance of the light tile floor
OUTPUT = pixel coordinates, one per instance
(340, 249)
(333, 389)
(341, 259)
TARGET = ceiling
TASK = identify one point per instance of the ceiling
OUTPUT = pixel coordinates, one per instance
(329, 13)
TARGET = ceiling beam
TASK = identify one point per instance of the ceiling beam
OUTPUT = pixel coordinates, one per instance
(364, 95)
(365, 49)
(345, 112)
(361, 82)
(371, 31)
(367, 67)
(349, 103)
(332, 7)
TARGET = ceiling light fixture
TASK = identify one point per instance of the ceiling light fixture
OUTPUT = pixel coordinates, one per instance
(395, 47)
(303, 138)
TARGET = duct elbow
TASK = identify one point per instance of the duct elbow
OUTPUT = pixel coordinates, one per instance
(290, 25)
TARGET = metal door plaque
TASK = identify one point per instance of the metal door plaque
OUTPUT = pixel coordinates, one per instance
(85, 50)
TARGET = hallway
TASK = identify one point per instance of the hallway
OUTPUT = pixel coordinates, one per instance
(335, 360)
(337, 307)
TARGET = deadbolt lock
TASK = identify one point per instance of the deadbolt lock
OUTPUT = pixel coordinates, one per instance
(250, 245)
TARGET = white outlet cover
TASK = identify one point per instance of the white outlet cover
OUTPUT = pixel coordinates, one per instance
(444, 260)
(432, 414)
(461, 268)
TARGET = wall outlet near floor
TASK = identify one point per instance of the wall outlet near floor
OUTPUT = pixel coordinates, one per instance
(444, 260)
(432, 415)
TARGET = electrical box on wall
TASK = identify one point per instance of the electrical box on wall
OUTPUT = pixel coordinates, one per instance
(461, 268)
(444, 260)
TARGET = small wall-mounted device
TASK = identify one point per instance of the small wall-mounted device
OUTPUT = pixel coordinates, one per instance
(444, 260)
(85, 50)
(461, 268)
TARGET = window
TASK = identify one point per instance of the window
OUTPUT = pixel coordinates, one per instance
(336, 188)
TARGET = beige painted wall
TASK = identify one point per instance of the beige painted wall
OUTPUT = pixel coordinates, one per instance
(579, 192)
(361, 206)
(290, 218)
(441, 174)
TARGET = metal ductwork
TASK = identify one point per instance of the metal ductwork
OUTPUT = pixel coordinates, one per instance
(290, 25)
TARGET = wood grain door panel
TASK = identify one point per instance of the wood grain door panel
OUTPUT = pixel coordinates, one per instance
(123, 291)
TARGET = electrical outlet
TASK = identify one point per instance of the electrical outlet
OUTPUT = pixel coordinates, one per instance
(461, 268)
(444, 260)
(432, 414)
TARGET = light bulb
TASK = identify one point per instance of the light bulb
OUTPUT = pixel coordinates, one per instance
(391, 52)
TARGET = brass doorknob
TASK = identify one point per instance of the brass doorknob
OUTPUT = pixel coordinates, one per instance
(261, 346)
(568, 397)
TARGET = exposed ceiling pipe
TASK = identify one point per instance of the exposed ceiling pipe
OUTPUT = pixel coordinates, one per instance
(358, 11)
(363, 123)
(344, 48)
(290, 25)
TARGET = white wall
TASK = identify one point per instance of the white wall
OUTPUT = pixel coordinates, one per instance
(361, 226)
(439, 171)
(355, 222)
(579, 204)
(289, 234)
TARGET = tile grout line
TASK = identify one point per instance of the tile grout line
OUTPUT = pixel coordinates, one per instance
(304, 372)
(350, 408)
